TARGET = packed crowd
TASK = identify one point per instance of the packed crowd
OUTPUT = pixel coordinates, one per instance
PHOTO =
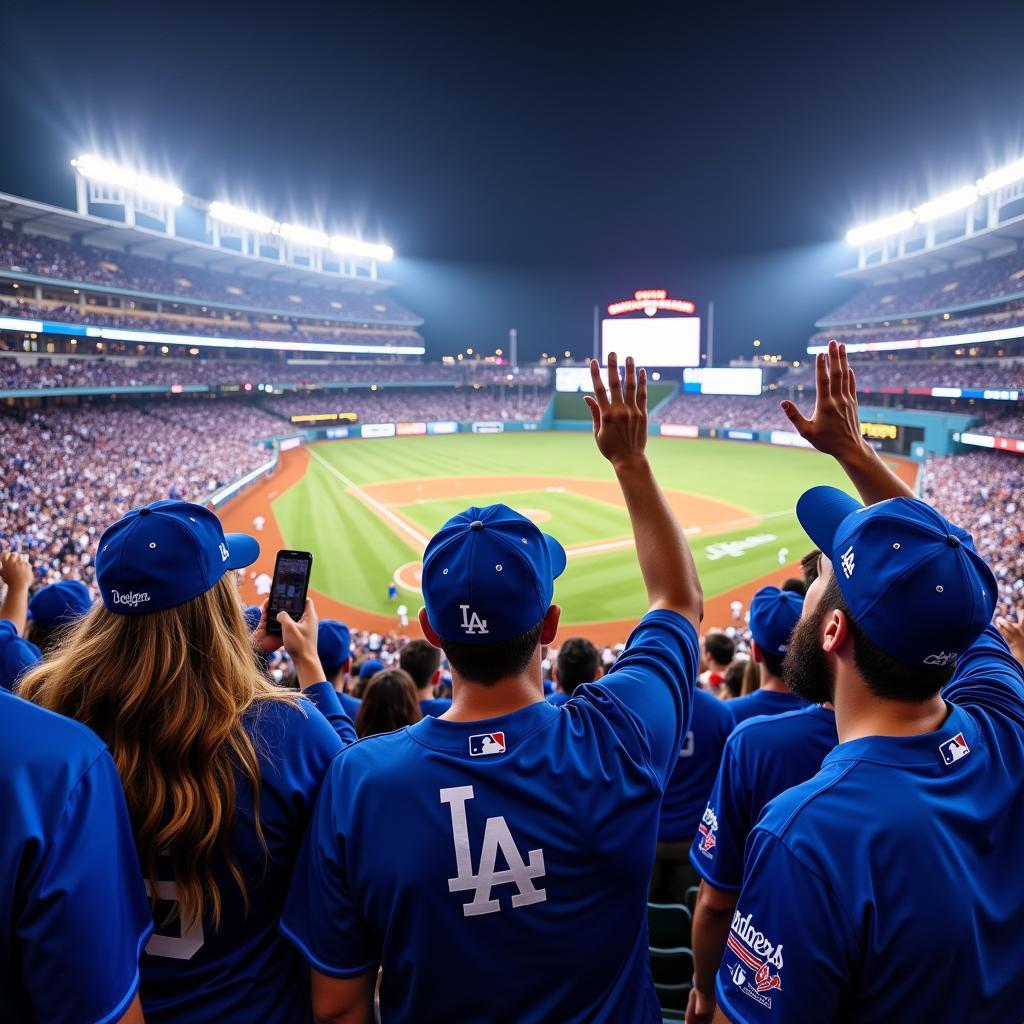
(980, 283)
(983, 490)
(1006, 315)
(282, 329)
(923, 373)
(105, 371)
(84, 264)
(743, 412)
(1005, 424)
(390, 405)
(69, 471)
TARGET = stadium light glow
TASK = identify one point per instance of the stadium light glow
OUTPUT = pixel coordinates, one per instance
(97, 169)
(228, 214)
(879, 229)
(950, 202)
(303, 236)
(356, 247)
(1001, 178)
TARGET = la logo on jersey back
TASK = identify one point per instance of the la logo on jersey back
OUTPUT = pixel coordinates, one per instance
(497, 839)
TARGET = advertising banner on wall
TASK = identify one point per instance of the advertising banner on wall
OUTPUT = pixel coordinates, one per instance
(489, 427)
(443, 427)
(378, 430)
(680, 430)
(409, 429)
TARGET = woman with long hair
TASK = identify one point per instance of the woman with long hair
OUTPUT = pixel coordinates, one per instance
(389, 702)
(220, 767)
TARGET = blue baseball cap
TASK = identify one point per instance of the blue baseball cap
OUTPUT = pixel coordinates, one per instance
(371, 668)
(489, 575)
(333, 645)
(164, 554)
(17, 656)
(913, 581)
(773, 614)
(59, 603)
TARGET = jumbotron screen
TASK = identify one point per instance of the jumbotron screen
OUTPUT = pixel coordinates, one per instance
(655, 341)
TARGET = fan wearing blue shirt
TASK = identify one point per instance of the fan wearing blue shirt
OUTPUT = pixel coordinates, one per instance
(773, 615)
(423, 663)
(509, 826)
(578, 662)
(221, 768)
(897, 866)
(687, 795)
(334, 649)
(73, 908)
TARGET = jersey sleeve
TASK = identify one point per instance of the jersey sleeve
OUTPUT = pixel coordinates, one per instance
(325, 699)
(988, 676)
(790, 947)
(320, 915)
(717, 850)
(85, 915)
(654, 679)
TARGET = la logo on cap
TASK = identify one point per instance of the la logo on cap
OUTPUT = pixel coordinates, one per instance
(471, 622)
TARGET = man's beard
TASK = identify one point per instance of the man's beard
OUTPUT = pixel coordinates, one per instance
(806, 669)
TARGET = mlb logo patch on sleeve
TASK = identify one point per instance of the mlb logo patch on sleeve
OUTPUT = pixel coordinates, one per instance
(487, 743)
(955, 749)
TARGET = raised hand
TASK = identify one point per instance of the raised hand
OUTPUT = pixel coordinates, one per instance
(1013, 634)
(620, 415)
(834, 425)
(15, 570)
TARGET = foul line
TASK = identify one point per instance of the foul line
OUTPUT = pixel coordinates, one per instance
(373, 503)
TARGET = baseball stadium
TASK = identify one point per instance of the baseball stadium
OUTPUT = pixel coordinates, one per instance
(184, 379)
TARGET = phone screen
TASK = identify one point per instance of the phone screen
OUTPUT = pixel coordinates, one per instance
(288, 589)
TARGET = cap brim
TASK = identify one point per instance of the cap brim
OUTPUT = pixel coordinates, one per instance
(821, 510)
(557, 555)
(243, 550)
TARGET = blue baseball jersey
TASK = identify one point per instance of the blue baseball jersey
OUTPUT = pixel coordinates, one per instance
(763, 757)
(558, 698)
(73, 909)
(434, 706)
(507, 837)
(889, 886)
(764, 702)
(350, 704)
(243, 971)
(694, 774)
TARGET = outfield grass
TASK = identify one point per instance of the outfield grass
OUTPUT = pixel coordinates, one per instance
(357, 553)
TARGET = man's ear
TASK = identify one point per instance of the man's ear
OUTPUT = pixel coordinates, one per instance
(549, 629)
(755, 652)
(837, 632)
(428, 630)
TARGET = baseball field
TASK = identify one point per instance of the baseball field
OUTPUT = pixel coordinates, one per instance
(367, 509)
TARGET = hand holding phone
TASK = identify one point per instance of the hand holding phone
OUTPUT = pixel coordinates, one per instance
(288, 588)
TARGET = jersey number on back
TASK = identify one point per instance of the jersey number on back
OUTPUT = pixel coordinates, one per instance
(175, 947)
(497, 837)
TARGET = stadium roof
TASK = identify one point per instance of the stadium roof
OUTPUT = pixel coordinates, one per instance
(57, 222)
(995, 241)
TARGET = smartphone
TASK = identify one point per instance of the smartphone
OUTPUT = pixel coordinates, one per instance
(288, 589)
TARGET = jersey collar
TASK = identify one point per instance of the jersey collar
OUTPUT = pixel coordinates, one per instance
(453, 737)
(907, 751)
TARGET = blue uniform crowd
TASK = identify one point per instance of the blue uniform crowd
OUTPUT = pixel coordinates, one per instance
(183, 840)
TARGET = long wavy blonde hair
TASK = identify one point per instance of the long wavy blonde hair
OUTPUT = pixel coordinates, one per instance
(167, 691)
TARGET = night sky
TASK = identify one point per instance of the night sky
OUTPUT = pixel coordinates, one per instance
(528, 161)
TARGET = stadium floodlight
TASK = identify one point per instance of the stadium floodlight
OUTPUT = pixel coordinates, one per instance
(951, 202)
(303, 236)
(228, 214)
(355, 247)
(879, 229)
(1001, 178)
(97, 169)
